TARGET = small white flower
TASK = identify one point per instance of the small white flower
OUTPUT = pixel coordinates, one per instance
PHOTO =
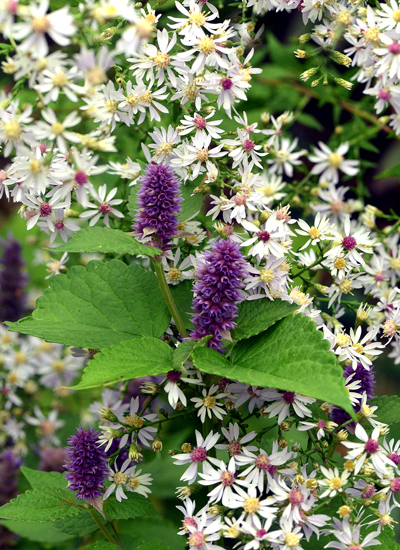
(208, 404)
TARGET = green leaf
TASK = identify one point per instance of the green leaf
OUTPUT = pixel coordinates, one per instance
(133, 507)
(191, 204)
(40, 505)
(291, 355)
(44, 531)
(129, 359)
(78, 526)
(388, 408)
(183, 351)
(255, 316)
(106, 241)
(310, 121)
(147, 530)
(101, 545)
(183, 298)
(153, 545)
(98, 305)
(389, 172)
(38, 480)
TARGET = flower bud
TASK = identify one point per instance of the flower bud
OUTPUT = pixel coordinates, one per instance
(341, 58)
(344, 83)
(305, 38)
(135, 453)
(106, 414)
(301, 54)
(157, 445)
(308, 74)
(285, 426)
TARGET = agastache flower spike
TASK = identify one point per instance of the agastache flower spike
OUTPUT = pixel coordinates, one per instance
(87, 465)
(217, 292)
(159, 205)
(12, 282)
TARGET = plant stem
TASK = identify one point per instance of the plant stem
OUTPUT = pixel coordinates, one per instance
(168, 297)
(116, 535)
(102, 528)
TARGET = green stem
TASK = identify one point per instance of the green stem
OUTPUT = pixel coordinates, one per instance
(168, 297)
(102, 527)
(116, 535)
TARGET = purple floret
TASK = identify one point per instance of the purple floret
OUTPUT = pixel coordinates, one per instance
(87, 464)
(159, 205)
(217, 292)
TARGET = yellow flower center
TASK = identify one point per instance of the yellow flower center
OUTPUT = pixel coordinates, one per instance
(161, 60)
(57, 128)
(174, 274)
(372, 35)
(60, 80)
(191, 239)
(34, 166)
(344, 511)
(343, 17)
(20, 357)
(96, 76)
(346, 286)
(165, 148)
(311, 483)
(133, 482)
(266, 275)
(209, 402)
(191, 91)
(147, 97)
(206, 45)
(133, 420)
(314, 233)
(251, 505)
(343, 339)
(358, 348)
(132, 100)
(12, 129)
(335, 483)
(58, 365)
(111, 106)
(120, 478)
(335, 160)
(396, 16)
(233, 532)
(340, 263)
(395, 264)
(202, 155)
(12, 377)
(40, 24)
(268, 191)
(292, 540)
(197, 19)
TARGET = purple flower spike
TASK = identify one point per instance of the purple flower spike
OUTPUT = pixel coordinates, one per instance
(87, 464)
(12, 282)
(9, 470)
(217, 292)
(159, 205)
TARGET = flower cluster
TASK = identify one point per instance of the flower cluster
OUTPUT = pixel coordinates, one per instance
(217, 291)
(86, 464)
